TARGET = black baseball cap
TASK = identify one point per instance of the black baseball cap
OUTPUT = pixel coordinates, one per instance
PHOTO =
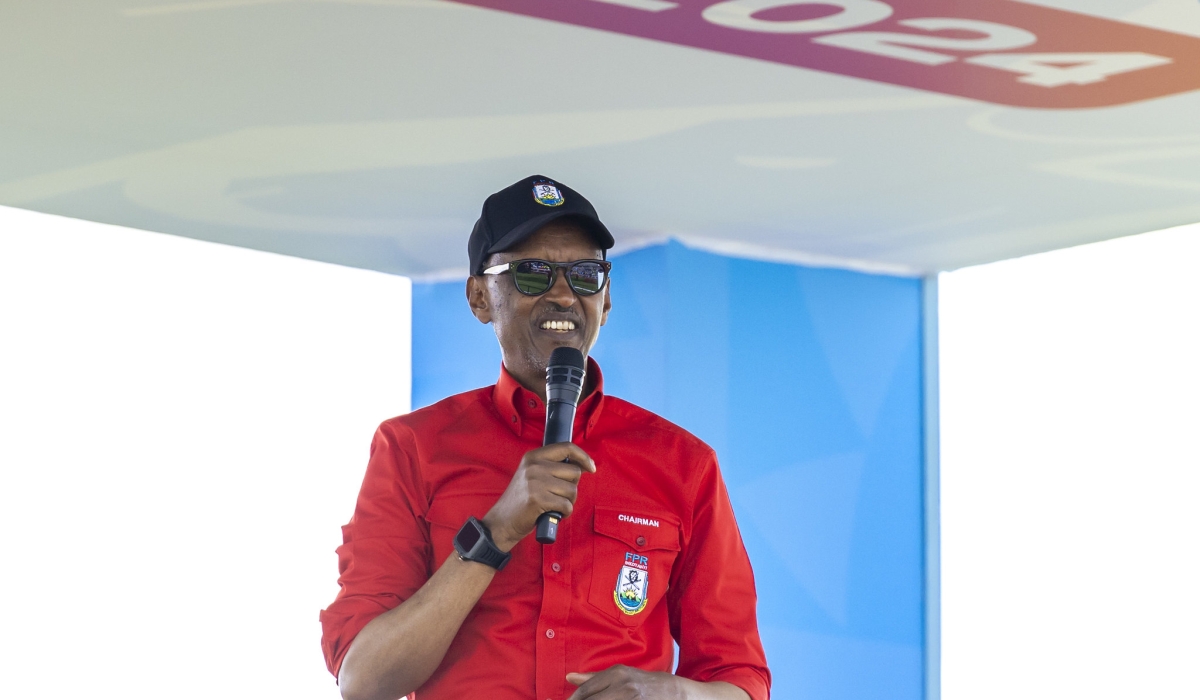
(517, 211)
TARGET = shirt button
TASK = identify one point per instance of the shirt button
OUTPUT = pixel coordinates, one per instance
(514, 419)
(641, 541)
(555, 567)
(532, 403)
(549, 634)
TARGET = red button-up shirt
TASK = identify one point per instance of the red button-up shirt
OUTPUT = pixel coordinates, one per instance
(651, 552)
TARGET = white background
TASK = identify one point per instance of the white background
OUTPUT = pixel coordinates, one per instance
(183, 429)
(1071, 473)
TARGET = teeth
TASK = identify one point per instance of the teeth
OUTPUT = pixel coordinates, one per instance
(558, 325)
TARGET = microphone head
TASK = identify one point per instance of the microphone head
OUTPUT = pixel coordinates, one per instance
(564, 376)
(570, 357)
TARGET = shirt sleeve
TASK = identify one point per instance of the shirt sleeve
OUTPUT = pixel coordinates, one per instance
(713, 603)
(385, 552)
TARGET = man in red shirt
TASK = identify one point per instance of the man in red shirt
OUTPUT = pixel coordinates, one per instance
(444, 593)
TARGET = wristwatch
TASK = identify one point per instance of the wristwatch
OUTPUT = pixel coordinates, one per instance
(474, 543)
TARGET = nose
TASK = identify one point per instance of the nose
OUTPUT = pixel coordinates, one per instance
(561, 293)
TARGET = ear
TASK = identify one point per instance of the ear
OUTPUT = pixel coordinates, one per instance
(478, 300)
(607, 304)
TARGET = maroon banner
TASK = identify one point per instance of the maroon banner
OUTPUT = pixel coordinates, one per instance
(998, 51)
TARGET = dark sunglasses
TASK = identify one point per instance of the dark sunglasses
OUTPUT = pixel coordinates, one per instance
(534, 277)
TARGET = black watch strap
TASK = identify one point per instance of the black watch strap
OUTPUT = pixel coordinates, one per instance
(474, 543)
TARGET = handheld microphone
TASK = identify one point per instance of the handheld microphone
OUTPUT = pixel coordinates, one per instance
(564, 384)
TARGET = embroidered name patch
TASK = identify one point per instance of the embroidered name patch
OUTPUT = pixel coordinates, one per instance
(636, 520)
(633, 584)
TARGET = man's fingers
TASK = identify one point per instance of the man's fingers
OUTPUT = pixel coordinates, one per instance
(557, 504)
(595, 683)
(563, 489)
(568, 452)
(578, 678)
(564, 471)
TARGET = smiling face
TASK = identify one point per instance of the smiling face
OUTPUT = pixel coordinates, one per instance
(530, 327)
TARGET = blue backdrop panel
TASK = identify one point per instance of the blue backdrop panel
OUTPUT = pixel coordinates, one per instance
(807, 383)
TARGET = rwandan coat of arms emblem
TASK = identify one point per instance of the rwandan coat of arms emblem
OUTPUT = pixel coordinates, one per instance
(547, 194)
(633, 584)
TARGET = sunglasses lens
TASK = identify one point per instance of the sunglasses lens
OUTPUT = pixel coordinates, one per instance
(533, 277)
(587, 277)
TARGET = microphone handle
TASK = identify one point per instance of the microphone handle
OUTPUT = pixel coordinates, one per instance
(546, 531)
(559, 418)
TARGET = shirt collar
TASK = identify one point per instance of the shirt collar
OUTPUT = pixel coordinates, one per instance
(519, 407)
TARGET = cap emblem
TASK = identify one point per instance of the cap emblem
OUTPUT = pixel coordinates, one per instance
(546, 194)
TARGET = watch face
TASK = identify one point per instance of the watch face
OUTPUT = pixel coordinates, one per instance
(468, 537)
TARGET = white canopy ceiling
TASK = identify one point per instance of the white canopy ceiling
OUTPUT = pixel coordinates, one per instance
(368, 132)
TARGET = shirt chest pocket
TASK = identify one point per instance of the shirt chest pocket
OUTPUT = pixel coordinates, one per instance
(633, 554)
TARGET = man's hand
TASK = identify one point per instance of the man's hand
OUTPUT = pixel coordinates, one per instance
(547, 479)
(625, 683)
